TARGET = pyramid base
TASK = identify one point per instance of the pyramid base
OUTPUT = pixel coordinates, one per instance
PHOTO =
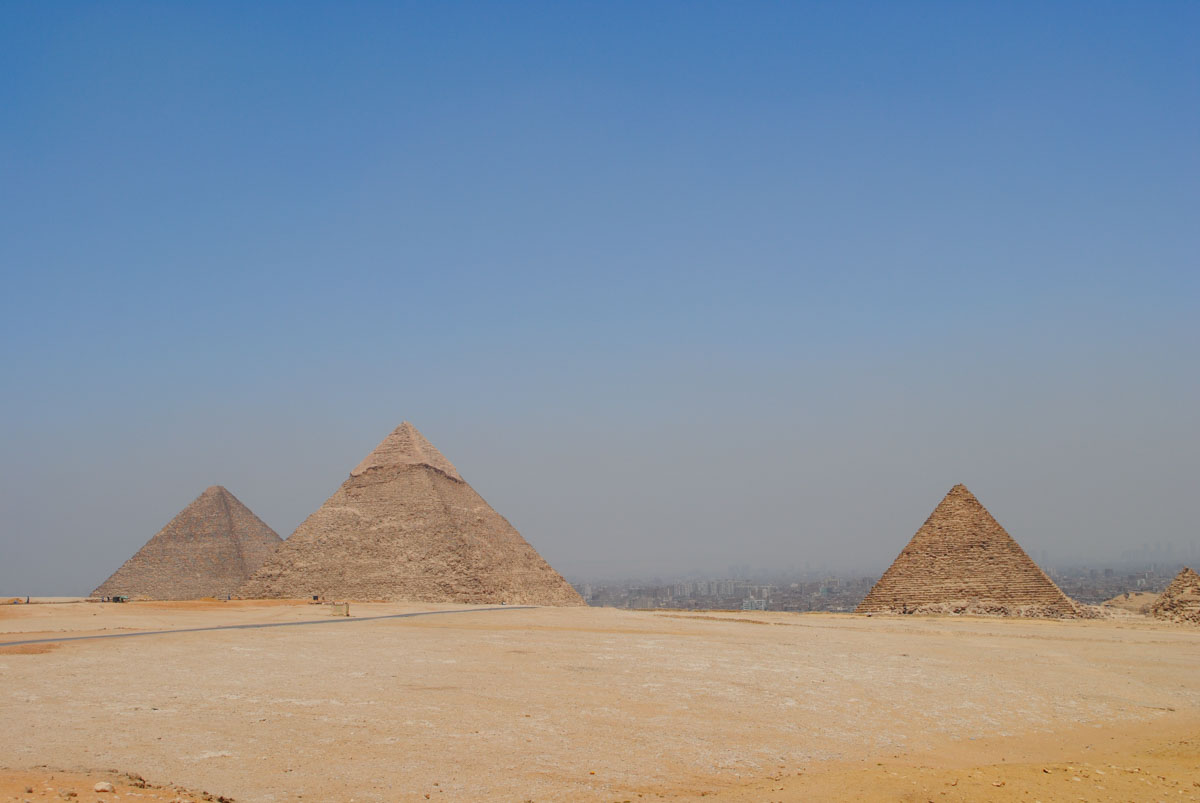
(981, 608)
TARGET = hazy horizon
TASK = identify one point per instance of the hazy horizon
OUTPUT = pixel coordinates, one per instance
(674, 287)
(888, 522)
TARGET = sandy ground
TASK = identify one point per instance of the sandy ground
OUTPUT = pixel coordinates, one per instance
(596, 704)
(1135, 602)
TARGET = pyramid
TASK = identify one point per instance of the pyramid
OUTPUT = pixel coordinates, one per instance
(962, 561)
(406, 526)
(208, 550)
(1180, 602)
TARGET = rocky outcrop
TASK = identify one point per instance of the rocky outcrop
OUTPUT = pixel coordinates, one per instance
(963, 561)
(208, 550)
(406, 526)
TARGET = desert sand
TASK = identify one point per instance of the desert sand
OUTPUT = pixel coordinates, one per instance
(593, 704)
(1138, 602)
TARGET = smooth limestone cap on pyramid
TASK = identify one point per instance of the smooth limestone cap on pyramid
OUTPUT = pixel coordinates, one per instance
(406, 526)
(1180, 601)
(207, 550)
(962, 560)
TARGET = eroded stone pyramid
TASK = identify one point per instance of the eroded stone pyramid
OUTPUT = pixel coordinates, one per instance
(1180, 601)
(962, 561)
(406, 526)
(208, 550)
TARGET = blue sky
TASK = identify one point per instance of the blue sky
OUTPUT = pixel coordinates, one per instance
(675, 285)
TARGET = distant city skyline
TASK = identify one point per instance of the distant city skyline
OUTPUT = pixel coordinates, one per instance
(1125, 563)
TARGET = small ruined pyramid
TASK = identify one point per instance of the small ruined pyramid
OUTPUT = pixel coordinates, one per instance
(406, 526)
(208, 550)
(1180, 601)
(962, 560)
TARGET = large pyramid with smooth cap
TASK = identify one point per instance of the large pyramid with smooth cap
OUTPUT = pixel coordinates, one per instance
(406, 526)
(962, 560)
(208, 550)
(1180, 601)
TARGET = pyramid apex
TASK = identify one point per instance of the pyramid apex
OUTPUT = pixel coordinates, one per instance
(960, 491)
(406, 446)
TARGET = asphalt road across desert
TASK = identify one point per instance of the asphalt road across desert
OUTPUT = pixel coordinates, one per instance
(595, 704)
(332, 620)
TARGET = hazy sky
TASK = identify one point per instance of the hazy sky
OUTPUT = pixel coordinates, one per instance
(674, 285)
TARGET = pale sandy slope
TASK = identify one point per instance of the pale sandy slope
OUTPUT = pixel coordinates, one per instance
(581, 704)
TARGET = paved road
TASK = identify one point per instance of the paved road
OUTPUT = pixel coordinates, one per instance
(330, 621)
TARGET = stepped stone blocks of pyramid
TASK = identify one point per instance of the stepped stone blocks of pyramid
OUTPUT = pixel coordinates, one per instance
(406, 526)
(207, 550)
(1180, 601)
(962, 561)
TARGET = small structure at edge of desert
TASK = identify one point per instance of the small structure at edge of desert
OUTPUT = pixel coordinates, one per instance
(406, 526)
(207, 550)
(1180, 601)
(962, 561)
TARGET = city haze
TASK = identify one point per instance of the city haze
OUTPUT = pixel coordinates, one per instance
(676, 289)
